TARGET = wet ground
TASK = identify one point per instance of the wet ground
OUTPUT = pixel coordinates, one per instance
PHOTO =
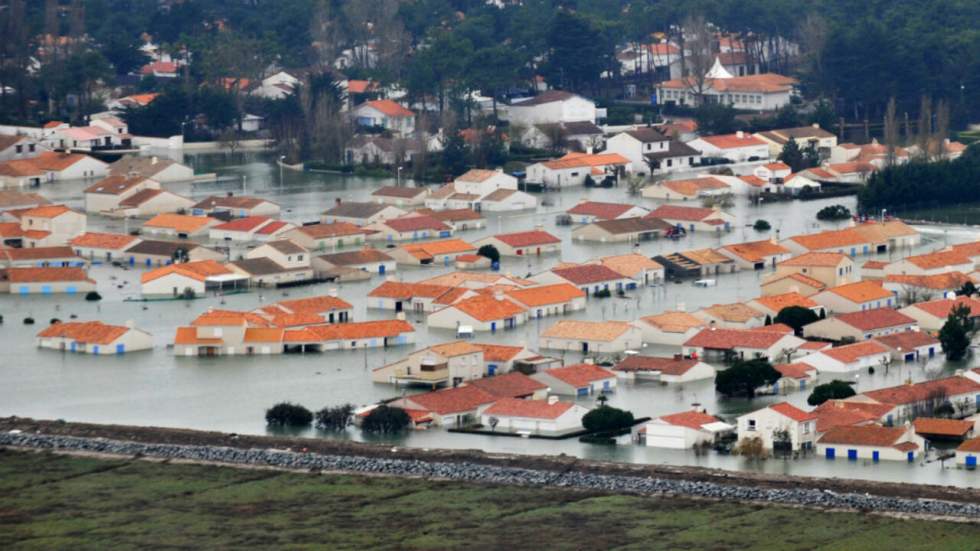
(231, 394)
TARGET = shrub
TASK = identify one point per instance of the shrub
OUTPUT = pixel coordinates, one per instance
(796, 317)
(489, 251)
(834, 212)
(335, 418)
(744, 377)
(285, 414)
(602, 293)
(386, 420)
(834, 390)
(188, 294)
(761, 225)
(751, 447)
(92, 296)
(606, 418)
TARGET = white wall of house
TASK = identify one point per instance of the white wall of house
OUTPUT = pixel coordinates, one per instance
(765, 422)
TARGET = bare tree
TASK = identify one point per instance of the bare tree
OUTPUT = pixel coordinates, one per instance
(942, 128)
(697, 55)
(890, 132)
(924, 127)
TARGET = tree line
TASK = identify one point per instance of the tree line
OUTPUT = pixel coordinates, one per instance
(919, 183)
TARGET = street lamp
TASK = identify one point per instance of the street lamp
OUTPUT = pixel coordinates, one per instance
(398, 181)
(282, 159)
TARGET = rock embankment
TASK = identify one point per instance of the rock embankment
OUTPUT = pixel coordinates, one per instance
(495, 474)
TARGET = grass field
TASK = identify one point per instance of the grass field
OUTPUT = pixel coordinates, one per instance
(57, 502)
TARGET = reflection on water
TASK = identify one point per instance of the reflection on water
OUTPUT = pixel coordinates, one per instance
(231, 394)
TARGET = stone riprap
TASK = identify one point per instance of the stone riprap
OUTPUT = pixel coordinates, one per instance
(492, 474)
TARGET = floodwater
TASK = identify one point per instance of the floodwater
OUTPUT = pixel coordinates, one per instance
(231, 394)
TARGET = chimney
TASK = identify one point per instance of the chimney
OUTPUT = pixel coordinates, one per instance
(681, 307)
(390, 278)
(498, 294)
(552, 400)
(332, 292)
(400, 316)
(154, 160)
(816, 125)
(772, 239)
(539, 227)
(739, 134)
(588, 361)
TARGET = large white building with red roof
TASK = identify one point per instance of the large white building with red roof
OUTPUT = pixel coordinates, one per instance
(737, 147)
(578, 379)
(525, 243)
(548, 417)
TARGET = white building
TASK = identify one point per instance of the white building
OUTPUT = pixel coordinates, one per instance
(685, 430)
(780, 422)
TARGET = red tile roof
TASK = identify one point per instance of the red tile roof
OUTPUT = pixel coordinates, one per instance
(789, 410)
(795, 370)
(91, 332)
(727, 339)
(532, 409)
(667, 366)
(509, 385)
(876, 318)
(97, 240)
(546, 294)
(389, 108)
(499, 352)
(488, 308)
(527, 238)
(39, 275)
(942, 307)
(604, 211)
(917, 392)
(588, 273)
(676, 212)
(866, 435)
(732, 141)
(361, 330)
(907, 340)
(690, 419)
(853, 352)
(415, 223)
(942, 427)
(580, 375)
(247, 224)
(461, 399)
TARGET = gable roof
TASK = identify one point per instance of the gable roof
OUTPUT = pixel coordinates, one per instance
(388, 108)
(546, 294)
(579, 375)
(907, 340)
(942, 427)
(333, 229)
(727, 339)
(756, 251)
(861, 291)
(509, 385)
(453, 400)
(630, 265)
(587, 330)
(354, 258)
(182, 223)
(690, 419)
(632, 225)
(527, 238)
(199, 270)
(819, 259)
(606, 211)
(789, 410)
(90, 332)
(355, 209)
(777, 302)
(585, 274)
(942, 307)
(674, 322)
(694, 186)
(98, 240)
(917, 392)
(667, 366)
(865, 435)
(488, 308)
(37, 275)
(415, 223)
(678, 212)
(851, 353)
(531, 409)
(548, 96)
(733, 141)
(875, 318)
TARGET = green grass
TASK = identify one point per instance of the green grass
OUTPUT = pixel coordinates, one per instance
(57, 502)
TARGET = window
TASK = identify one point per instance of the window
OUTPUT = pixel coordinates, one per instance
(30, 147)
(751, 424)
(806, 428)
(19, 149)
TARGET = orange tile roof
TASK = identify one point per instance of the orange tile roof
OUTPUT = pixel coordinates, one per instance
(840, 413)
(509, 385)
(630, 265)
(800, 278)
(246, 224)
(677, 212)
(846, 237)
(55, 161)
(179, 222)
(940, 259)
(389, 108)
(733, 141)
(316, 305)
(488, 308)
(865, 435)
(875, 318)
(587, 330)
(861, 291)
(729, 339)
(405, 291)
(693, 187)
(453, 400)
(499, 352)
(546, 294)
(90, 332)
(604, 211)
(829, 260)
(756, 251)
(907, 340)
(939, 282)
(216, 317)
(263, 334)
(530, 409)
(46, 211)
(789, 410)
(38, 253)
(797, 370)
(577, 160)
(199, 270)
(666, 366)
(735, 312)
(675, 322)
(39, 275)
(335, 229)
(97, 240)
(527, 238)
(777, 302)
(188, 336)
(942, 307)
(917, 392)
(851, 353)
(442, 247)
(580, 375)
(362, 330)
(971, 445)
(942, 427)
(455, 348)
(690, 419)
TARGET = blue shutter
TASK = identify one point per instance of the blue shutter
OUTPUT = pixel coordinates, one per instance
(120, 348)
(830, 453)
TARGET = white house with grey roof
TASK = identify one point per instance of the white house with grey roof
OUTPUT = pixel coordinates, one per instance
(648, 150)
(360, 213)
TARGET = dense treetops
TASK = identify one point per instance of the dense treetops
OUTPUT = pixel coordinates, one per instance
(915, 183)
